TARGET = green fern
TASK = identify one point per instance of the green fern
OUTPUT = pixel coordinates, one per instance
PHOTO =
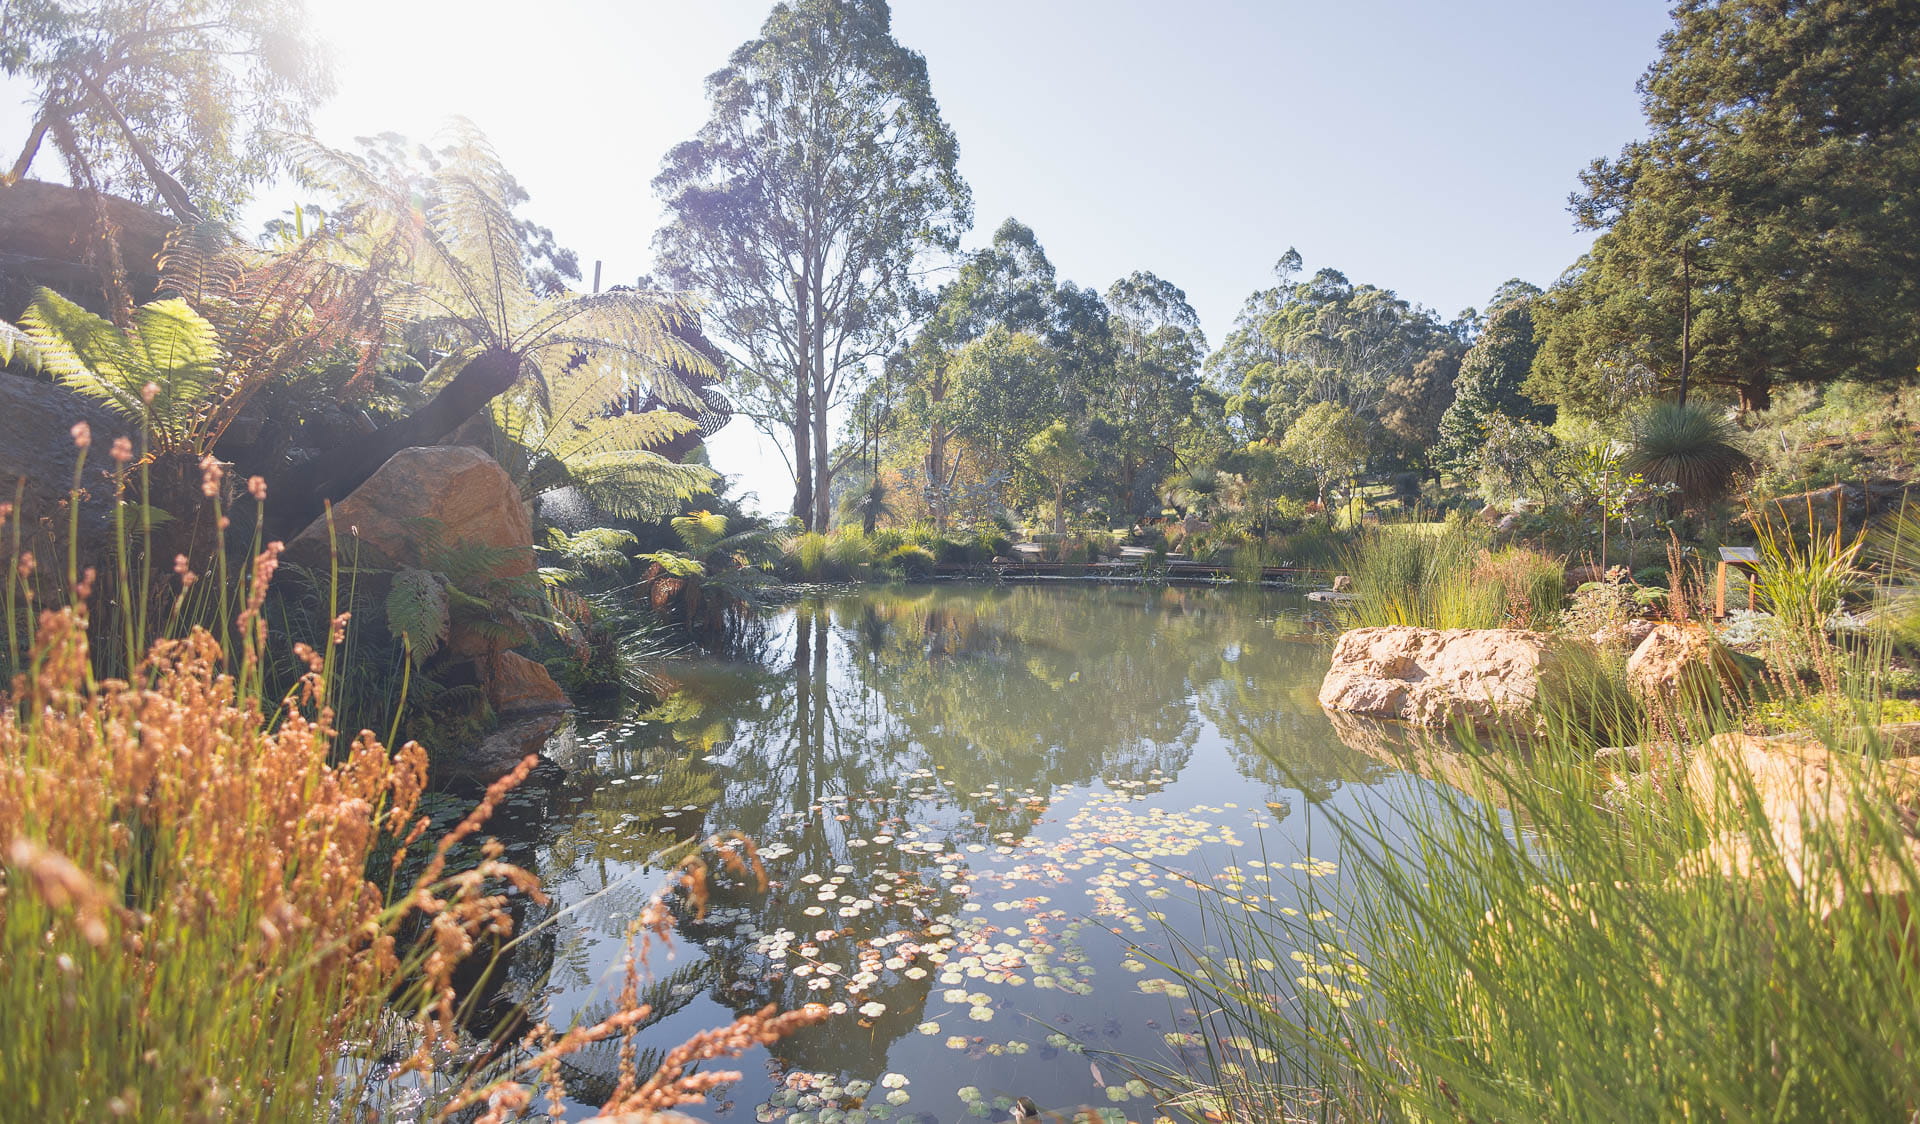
(700, 529)
(565, 439)
(419, 611)
(675, 563)
(169, 348)
(596, 549)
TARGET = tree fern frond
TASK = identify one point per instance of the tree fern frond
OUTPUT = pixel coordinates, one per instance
(169, 347)
(638, 485)
(651, 429)
(675, 563)
(700, 529)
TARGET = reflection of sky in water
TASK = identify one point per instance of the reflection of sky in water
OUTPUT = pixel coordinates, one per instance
(973, 802)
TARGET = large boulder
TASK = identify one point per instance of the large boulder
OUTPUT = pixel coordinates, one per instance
(51, 234)
(1486, 678)
(419, 507)
(1826, 817)
(1681, 662)
(424, 501)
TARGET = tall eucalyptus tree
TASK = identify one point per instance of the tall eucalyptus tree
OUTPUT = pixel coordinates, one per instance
(803, 209)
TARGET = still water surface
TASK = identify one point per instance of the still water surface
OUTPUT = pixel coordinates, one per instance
(974, 804)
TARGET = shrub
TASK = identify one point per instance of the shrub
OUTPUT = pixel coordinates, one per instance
(911, 561)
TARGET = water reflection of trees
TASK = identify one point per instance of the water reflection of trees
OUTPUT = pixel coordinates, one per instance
(870, 718)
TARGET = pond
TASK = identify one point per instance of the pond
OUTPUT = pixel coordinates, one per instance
(975, 805)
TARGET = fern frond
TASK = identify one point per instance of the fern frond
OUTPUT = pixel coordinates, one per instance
(16, 346)
(601, 549)
(169, 347)
(638, 485)
(700, 529)
(675, 563)
(419, 611)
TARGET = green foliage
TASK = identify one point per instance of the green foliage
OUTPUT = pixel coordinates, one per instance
(1766, 220)
(419, 612)
(910, 561)
(1055, 456)
(1326, 339)
(1491, 376)
(167, 347)
(1693, 447)
(1330, 440)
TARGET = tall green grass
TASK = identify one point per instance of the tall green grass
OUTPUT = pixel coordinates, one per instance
(1549, 935)
(1444, 575)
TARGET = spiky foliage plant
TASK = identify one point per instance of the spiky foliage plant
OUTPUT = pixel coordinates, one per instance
(1695, 448)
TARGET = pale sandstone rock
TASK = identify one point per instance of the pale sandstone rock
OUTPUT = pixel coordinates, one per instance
(1487, 678)
(1818, 808)
(1681, 661)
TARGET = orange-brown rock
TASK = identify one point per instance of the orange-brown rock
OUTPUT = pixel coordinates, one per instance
(1486, 678)
(517, 685)
(416, 507)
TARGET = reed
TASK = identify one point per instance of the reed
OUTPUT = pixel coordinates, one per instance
(202, 914)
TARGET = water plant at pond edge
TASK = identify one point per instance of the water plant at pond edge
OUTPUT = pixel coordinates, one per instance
(207, 905)
(1522, 950)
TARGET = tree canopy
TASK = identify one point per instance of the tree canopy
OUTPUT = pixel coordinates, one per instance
(163, 101)
(1766, 231)
(801, 208)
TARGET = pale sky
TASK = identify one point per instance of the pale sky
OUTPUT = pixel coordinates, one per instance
(1426, 147)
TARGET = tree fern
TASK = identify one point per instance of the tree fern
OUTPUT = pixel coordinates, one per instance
(419, 611)
(465, 281)
(596, 549)
(168, 347)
